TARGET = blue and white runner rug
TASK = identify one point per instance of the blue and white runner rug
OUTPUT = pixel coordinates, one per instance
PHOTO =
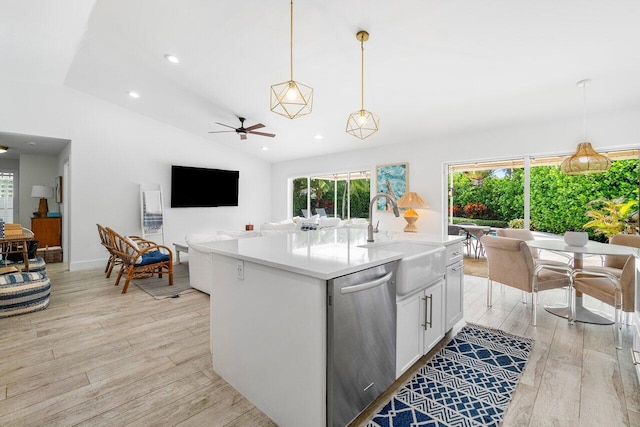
(469, 382)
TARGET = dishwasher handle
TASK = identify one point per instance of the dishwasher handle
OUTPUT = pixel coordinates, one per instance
(367, 285)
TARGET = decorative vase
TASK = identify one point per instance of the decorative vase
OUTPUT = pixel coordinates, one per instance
(576, 238)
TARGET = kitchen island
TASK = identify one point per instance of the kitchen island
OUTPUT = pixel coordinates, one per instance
(269, 321)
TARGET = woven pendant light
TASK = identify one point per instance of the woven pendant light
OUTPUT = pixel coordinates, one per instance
(585, 160)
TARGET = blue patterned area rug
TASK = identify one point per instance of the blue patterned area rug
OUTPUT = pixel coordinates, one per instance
(469, 382)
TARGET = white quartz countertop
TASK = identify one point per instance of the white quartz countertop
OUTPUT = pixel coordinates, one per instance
(323, 254)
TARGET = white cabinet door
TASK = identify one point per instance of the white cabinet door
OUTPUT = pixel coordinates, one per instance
(454, 294)
(432, 316)
(410, 333)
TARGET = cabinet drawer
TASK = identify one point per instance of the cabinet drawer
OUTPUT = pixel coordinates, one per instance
(454, 253)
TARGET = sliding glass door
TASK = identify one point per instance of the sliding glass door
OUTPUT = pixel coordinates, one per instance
(533, 193)
(343, 195)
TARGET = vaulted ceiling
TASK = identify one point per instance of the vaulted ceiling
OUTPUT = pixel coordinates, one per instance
(431, 67)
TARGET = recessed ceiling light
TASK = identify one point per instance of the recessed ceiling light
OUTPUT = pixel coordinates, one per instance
(172, 58)
(265, 148)
(3, 149)
(134, 94)
(318, 136)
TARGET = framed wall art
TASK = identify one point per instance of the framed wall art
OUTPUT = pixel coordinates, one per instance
(392, 179)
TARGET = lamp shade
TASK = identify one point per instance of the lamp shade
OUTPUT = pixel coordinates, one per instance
(42, 191)
(585, 161)
(411, 200)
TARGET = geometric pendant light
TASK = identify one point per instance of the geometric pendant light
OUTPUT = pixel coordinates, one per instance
(362, 124)
(585, 160)
(291, 99)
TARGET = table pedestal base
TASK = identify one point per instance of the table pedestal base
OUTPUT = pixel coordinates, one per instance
(583, 314)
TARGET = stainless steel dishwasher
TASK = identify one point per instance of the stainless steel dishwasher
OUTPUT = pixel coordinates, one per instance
(361, 340)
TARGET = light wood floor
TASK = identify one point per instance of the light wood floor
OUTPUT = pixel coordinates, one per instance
(96, 357)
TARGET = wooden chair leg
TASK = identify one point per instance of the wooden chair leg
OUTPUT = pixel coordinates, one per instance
(119, 275)
(170, 273)
(110, 265)
(126, 283)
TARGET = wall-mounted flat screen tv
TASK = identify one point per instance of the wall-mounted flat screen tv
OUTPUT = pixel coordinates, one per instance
(201, 187)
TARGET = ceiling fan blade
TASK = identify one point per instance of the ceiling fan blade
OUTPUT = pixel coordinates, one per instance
(221, 131)
(257, 126)
(271, 135)
(243, 136)
(222, 124)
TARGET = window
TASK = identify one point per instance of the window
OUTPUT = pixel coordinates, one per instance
(343, 195)
(533, 193)
(6, 196)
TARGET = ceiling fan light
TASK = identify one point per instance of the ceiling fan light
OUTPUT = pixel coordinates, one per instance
(291, 99)
(362, 124)
(585, 161)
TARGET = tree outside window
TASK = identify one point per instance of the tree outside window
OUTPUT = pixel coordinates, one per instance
(344, 195)
(493, 194)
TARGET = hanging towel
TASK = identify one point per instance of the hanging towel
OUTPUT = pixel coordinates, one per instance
(152, 203)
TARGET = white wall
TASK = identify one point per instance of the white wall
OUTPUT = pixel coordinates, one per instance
(112, 151)
(617, 129)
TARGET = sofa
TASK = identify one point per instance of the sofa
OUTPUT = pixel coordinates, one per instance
(201, 274)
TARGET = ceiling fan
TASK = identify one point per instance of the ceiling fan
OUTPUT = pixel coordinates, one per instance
(242, 131)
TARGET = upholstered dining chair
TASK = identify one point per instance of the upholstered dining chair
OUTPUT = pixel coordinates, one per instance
(522, 234)
(146, 258)
(105, 240)
(613, 283)
(511, 263)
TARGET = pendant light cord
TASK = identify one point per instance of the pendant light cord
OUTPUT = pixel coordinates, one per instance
(361, 74)
(291, 38)
(584, 112)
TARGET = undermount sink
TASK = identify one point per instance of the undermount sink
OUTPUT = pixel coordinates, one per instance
(421, 265)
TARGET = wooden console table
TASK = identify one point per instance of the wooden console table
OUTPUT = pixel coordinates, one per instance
(14, 245)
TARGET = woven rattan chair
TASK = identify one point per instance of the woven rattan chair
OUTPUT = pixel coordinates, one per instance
(142, 258)
(105, 240)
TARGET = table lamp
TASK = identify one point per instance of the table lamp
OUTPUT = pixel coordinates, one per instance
(43, 193)
(411, 201)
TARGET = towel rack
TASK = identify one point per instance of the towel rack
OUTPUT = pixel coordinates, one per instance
(151, 212)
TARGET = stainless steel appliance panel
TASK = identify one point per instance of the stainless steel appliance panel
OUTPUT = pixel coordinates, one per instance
(361, 359)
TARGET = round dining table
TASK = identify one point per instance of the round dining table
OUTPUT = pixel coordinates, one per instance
(583, 314)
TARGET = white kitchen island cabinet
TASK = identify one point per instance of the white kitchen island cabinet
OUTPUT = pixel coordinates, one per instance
(420, 325)
(454, 287)
(269, 315)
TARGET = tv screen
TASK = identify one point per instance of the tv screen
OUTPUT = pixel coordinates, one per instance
(201, 187)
